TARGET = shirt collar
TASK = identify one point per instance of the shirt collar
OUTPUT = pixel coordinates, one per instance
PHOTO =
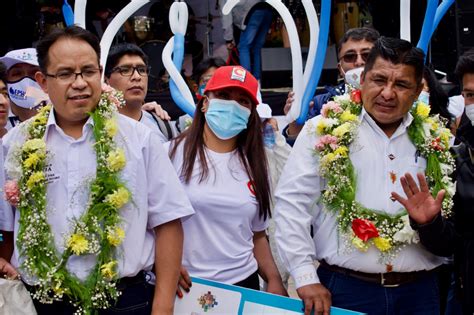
(406, 122)
(52, 123)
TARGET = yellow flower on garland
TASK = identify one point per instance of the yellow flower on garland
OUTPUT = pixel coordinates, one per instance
(115, 236)
(341, 151)
(347, 116)
(32, 160)
(360, 244)
(58, 289)
(445, 136)
(78, 244)
(45, 110)
(35, 178)
(327, 159)
(34, 145)
(40, 120)
(342, 130)
(432, 123)
(382, 244)
(423, 110)
(118, 198)
(111, 127)
(116, 160)
(108, 270)
(321, 126)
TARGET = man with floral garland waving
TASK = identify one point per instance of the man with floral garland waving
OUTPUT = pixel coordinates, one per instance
(339, 178)
(95, 195)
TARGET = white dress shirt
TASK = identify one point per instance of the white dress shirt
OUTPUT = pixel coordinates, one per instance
(157, 195)
(375, 157)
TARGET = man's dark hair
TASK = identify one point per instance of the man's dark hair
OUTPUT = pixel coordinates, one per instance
(465, 64)
(120, 50)
(3, 72)
(358, 34)
(71, 32)
(204, 65)
(397, 51)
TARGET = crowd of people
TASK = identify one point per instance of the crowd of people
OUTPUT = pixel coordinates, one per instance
(111, 207)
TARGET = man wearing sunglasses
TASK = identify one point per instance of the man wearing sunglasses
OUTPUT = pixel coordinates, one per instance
(24, 92)
(353, 50)
(127, 70)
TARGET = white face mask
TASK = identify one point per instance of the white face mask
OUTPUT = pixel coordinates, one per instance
(18, 92)
(352, 77)
(470, 112)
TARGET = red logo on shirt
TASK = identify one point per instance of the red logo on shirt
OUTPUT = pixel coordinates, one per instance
(251, 187)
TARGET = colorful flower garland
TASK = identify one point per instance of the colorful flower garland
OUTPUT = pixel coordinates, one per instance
(362, 226)
(97, 231)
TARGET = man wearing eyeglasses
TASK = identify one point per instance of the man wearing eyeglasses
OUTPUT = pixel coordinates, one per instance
(353, 50)
(152, 236)
(127, 70)
(23, 90)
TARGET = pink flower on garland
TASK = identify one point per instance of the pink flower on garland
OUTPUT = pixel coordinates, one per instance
(12, 192)
(327, 140)
(330, 106)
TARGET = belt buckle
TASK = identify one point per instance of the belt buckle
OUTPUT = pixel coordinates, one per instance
(382, 282)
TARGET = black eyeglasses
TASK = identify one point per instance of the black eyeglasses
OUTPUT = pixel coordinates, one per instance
(352, 57)
(127, 71)
(68, 76)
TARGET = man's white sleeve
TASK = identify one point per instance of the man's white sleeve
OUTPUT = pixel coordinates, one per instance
(296, 197)
(167, 199)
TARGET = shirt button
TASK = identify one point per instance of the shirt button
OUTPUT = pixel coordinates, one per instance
(391, 156)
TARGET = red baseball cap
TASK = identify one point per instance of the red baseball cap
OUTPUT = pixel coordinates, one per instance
(234, 76)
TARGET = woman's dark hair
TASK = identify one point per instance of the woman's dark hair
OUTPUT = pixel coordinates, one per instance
(71, 32)
(250, 149)
(438, 97)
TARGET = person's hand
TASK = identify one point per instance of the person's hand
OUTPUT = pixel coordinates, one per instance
(184, 282)
(293, 128)
(276, 287)
(273, 122)
(230, 45)
(157, 109)
(420, 204)
(7, 270)
(315, 296)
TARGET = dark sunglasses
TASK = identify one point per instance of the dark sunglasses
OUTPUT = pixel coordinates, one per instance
(352, 57)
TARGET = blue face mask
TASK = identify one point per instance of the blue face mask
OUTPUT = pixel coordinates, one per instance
(424, 97)
(226, 119)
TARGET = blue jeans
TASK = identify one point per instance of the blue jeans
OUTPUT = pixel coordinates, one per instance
(420, 297)
(253, 38)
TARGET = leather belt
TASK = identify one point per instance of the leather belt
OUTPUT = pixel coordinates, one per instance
(389, 279)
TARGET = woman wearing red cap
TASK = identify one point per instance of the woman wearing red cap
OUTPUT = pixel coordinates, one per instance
(221, 162)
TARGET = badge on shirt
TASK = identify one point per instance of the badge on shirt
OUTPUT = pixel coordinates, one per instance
(49, 174)
(251, 187)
